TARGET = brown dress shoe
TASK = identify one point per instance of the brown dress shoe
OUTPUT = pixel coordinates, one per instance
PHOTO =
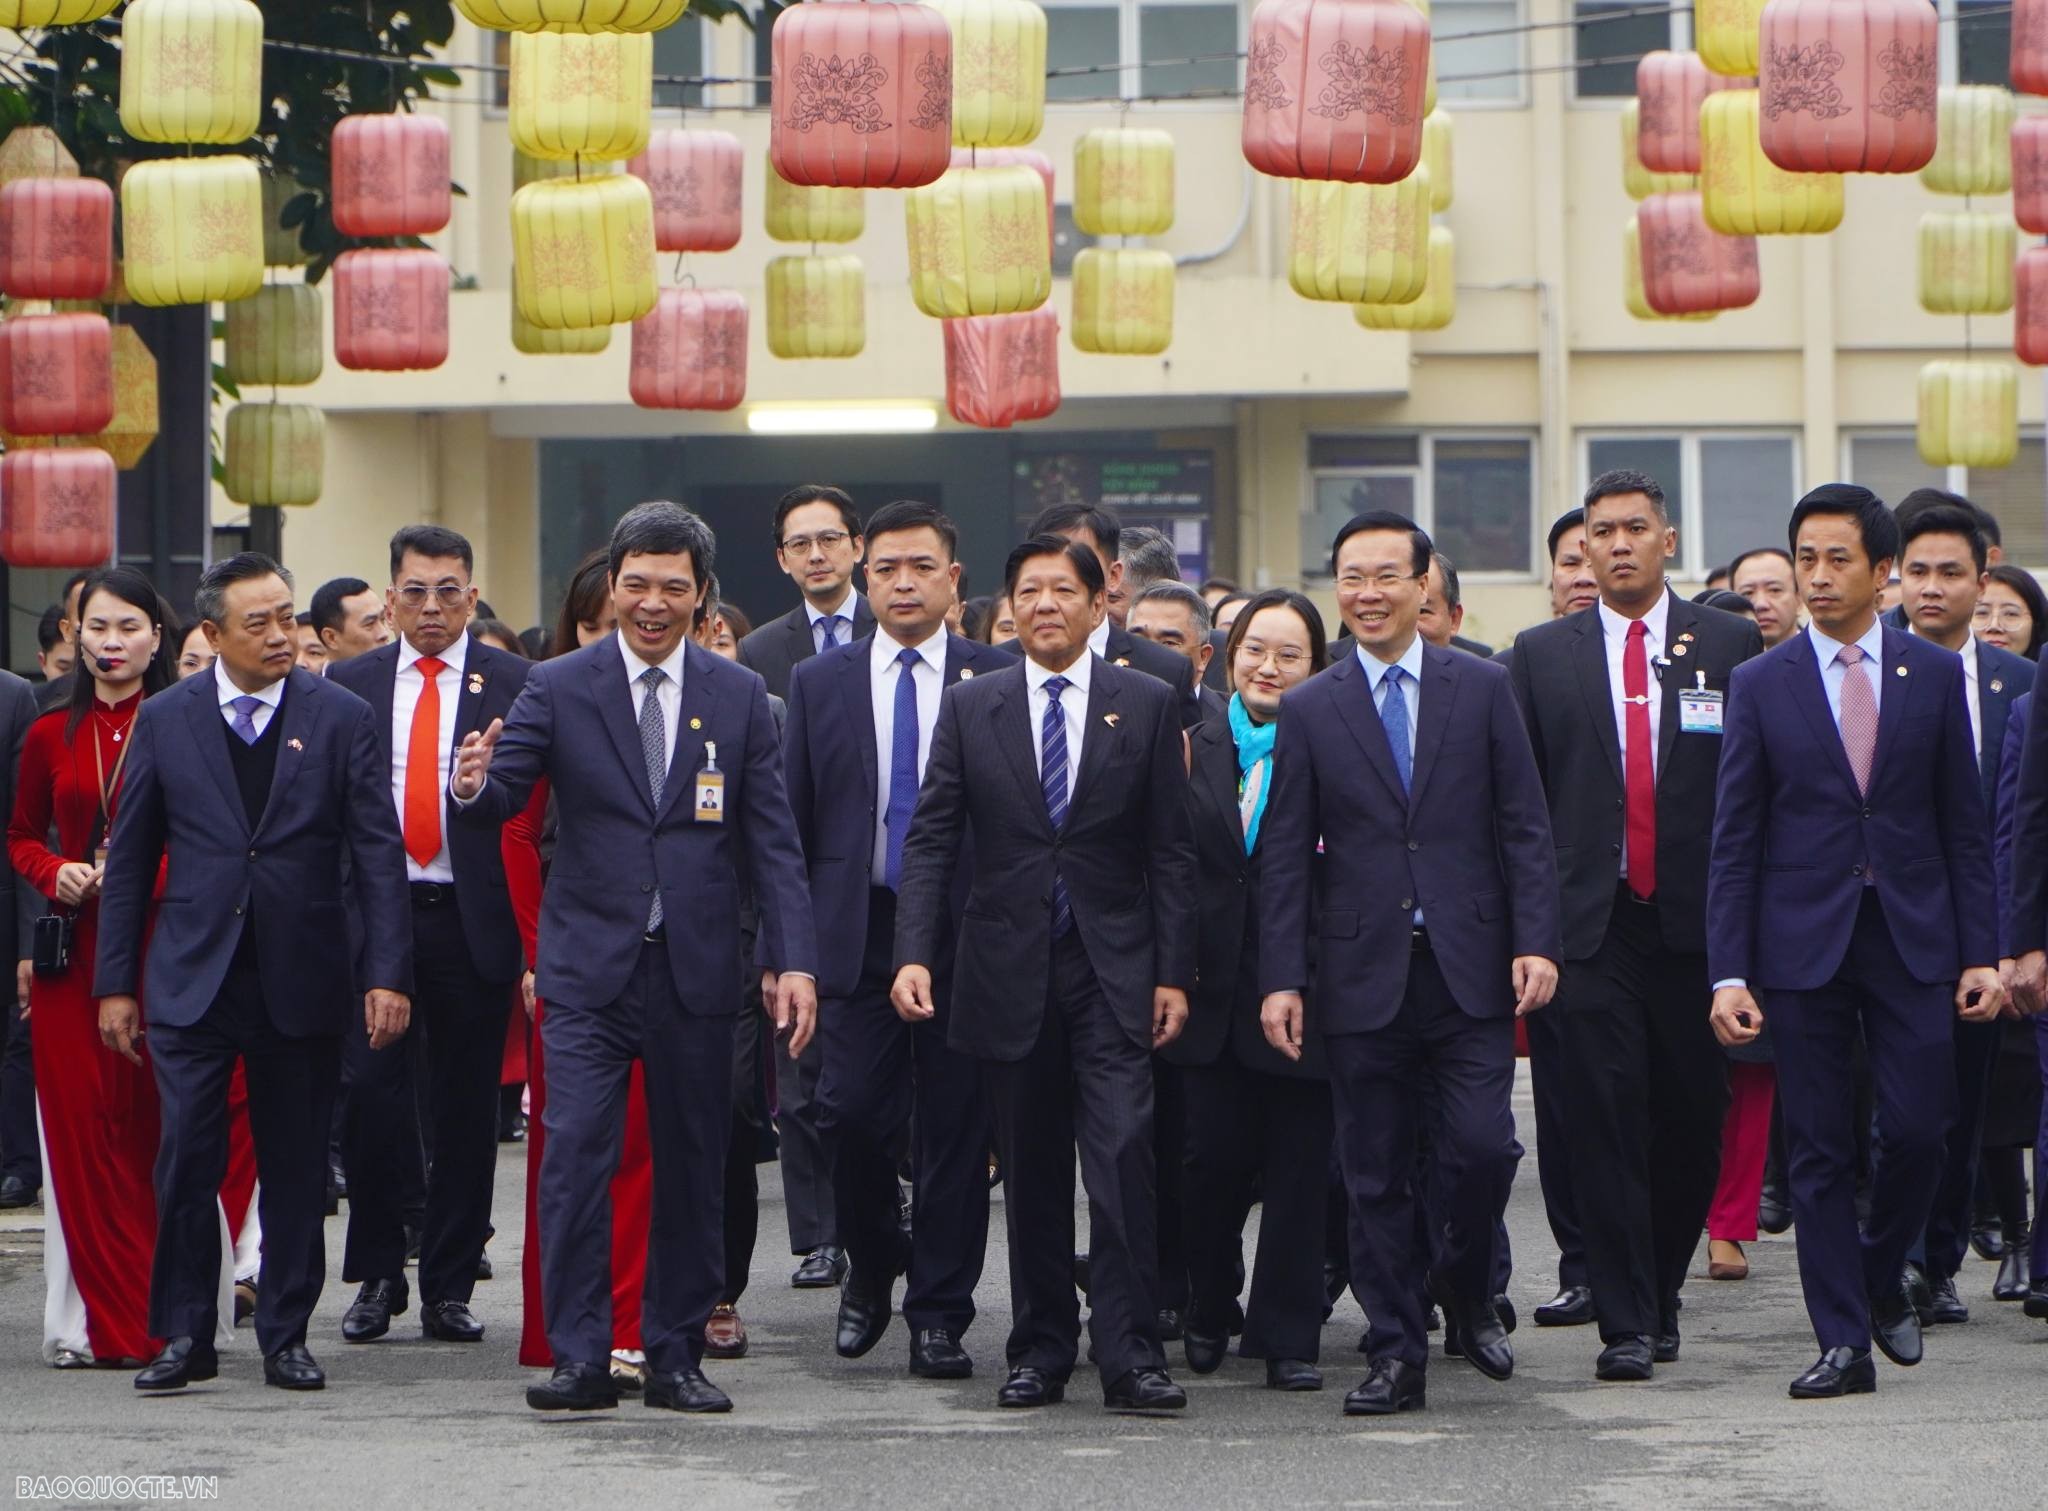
(1725, 1260)
(725, 1336)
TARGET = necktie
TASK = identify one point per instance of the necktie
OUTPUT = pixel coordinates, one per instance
(830, 625)
(1052, 780)
(653, 739)
(1859, 716)
(244, 722)
(902, 767)
(423, 768)
(1638, 780)
(1394, 716)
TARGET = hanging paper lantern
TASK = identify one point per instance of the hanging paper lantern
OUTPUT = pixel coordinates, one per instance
(1670, 87)
(1725, 32)
(391, 175)
(1360, 243)
(796, 212)
(56, 238)
(1640, 182)
(19, 15)
(1966, 263)
(56, 375)
(390, 310)
(583, 252)
(1429, 71)
(191, 70)
(1973, 149)
(1123, 182)
(1123, 301)
(1687, 265)
(1969, 414)
(817, 306)
(1438, 304)
(695, 179)
(1632, 295)
(861, 96)
(57, 507)
(690, 351)
(1003, 368)
(1014, 157)
(1848, 85)
(1334, 89)
(1743, 192)
(978, 243)
(1436, 157)
(2030, 46)
(274, 336)
(2030, 307)
(2030, 173)
(574, 96)
(572, 15)
(128, 436)
(276, 454)
(192, 230)
(535, 342)
(998, 71)
(538, 170)
(281, 245)
(35, 152)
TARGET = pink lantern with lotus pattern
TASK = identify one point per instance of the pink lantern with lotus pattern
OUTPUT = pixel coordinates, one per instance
(1335, 89)
(860, 94)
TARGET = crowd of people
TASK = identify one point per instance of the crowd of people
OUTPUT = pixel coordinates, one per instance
(917, 894)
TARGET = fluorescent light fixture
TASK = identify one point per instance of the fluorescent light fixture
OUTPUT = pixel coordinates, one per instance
(842, 419)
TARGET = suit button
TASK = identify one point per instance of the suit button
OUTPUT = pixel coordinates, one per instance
(252, 853)
(1617, 805)
(646, 886)
(1414, 844)
(1855, 870)
(1866, 813)
(238, 910)
(1614, 849)
(1407, 904)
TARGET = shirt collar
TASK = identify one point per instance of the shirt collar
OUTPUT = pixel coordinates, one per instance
(273, 694)
(635, 667)
(1615, 626)
(1826, 646)
(931, 650)
(1098, 638)
(1036, 676)
(452, 659)
(1376, 669)
(846, 610)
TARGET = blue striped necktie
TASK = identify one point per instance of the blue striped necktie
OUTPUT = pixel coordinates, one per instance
(1052, 780)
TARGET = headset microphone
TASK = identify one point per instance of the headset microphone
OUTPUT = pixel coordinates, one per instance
(104, 663)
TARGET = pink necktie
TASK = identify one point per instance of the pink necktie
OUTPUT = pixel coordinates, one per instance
(1859, 716)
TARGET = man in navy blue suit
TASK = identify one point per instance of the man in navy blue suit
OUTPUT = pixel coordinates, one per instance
(659, 816)
(860, 731)
(1408, 767)
(263, 792)
(1850, 889)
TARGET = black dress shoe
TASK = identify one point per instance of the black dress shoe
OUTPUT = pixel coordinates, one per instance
(1627, 1358)
(1476, 1331)
(1205, 1351)
(1919, 1294)
(1030, 1386)
(575, 1387)
(484, 1269)
(1773, 1210)
(1292, 1374)
(16, 1192)
(823, 1267)
(451, 1322)
(2037, 1301)
(1170, 1326)
(863, 1318)
(1081, 1273)
(1987, 1239)
(1504, 1309)
(1947, 1307)
(369, 1315)
(1895, 1326)
(1389, 1387)
(2016, 1270)
(293, 1368)
(1838, 1372)
(1146, 1389)
(684, 1390)
(1664, 1347)
(935, 1354)
(184, 1361)
(1572, 1306)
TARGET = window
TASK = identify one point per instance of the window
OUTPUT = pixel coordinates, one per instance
(1475, 495)
(1606, 29)
(1076, 36)
(1144, 36)
(1983, 45)
(1726, 491)
(679, 51)
(1186, 30)
(2013, 495)
(1890, 466)
(1488, 66)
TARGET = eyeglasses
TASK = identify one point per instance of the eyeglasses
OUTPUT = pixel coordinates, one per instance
(1386, 582)
(1287, 657)
(2006, 615)
(831, 540)
(413, 596)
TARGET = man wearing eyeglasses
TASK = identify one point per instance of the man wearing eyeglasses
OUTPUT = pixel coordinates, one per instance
(430, 688)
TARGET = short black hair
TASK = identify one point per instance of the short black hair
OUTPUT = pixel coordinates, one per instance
(484, 625)
(909, 514)
(1384, 519)
(50, 628)
(435, 542)
(1084, 561)
(1279, 598)
(1218, 585)
(1934, 498)
(1098, 520)
(1735, 565)
(1620, 480)
(1877, 525)
(1727, 601)
(660, 528)
(1180, 593)
(1452, 598)
(326, 611)
(816, 493)
(71, 585)
(1565, 523)
(304, 619)
(1946, 519)
(210, 601)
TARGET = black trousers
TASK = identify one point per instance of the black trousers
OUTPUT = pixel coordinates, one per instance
(804, 1152)
(1084, 1082)
(1947, 1238)
(749, 1102)
(1169, 1159)
(453, 1054)
(1553, 1147)
(20, 1153)
(291, 1096)
(1647, 1085)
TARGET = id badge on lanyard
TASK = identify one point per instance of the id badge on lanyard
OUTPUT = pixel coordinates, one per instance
(709, 805)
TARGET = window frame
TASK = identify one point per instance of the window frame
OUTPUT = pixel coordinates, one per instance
(1691, 563)
(1679, 39)
(1518, 100)
(1129, 77)
(1423, 471)
(1956, 481)
(1949, 14)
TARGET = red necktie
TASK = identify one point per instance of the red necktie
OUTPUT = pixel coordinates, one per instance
(1641, 784)
(423, 768)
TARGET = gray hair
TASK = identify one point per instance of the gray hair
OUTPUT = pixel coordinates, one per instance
(1148, 557)
(661, 528)
(1180, 593)
(210, 601)
(1449, 572)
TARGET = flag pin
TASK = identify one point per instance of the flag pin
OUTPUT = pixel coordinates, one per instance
(1123, 661)
(1110, 719)
(476, 682)
(296, 744)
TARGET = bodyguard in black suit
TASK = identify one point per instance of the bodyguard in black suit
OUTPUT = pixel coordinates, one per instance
(1408, 768)
(262, 792)
(1624, 703)
(1076, 948)
(466, 954)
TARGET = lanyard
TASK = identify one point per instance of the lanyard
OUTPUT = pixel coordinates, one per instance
(99, 760)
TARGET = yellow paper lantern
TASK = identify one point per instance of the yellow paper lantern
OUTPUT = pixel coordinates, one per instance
(276, 454)
(1973, 145)
(1969, 414)
(1744, 193)
(583, 252)
(1123, 301)
(35, 152)
(1632, 280)
(1429, 84)
(1727, 34)
(191, 70)
(133, 429)
(979, 244)
(998, 71)
(535, 342)
(817, 306)
(16, 15)
(1966, 260)
(572, 15)
(1436, 157)
(275, 336)
(192, 230)
(1123, 182)
(1640, 182)
(281, 248)
(795, 212)
(576, 96)
(1439, 302)
(1360, 243)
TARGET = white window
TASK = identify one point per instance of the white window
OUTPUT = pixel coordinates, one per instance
(1479, 52)
(1474, 494)
(1888, 464)
(1727, 491)
(1150, 39)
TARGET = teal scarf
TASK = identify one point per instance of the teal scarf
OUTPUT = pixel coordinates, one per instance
(1254, 767)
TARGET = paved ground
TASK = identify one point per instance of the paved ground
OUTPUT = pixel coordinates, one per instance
(436, 1426)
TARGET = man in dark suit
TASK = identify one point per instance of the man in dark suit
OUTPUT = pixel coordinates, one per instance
(860, 730)
(1172, 614)
(21, 1169)
(1076, 949)
(1408, 768)
(639, 955)
(262, 792)
(1850, 888)
(431, 688)
(55, 688)
(1624, 703)
(1443, 610)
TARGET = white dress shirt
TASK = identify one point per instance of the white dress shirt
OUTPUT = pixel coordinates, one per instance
(1073, 703)
(405, 701)
(884, 673)
(269, 698)
(1970, 695)
(1411, 694)
(1614, 637)
(1098, 639)
(848, 610)
(669, 690)
(1826, 649)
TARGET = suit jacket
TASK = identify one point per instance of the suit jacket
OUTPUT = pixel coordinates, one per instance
(1218, 675)
(329, 825)
(1470, 843)
(491, 681)
(19, 906)
(1215, 708)
(1793, 838)
(2002, 679)
(1125, 854)
(830, 758)
(775, 649)
(1559, 672)
(1344, 646)
(614, 847)
(1125, 649)
(2018, 718)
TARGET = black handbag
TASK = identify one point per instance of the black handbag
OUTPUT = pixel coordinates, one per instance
(51, 951)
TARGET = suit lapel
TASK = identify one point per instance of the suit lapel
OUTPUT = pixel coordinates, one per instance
(856, 686)
(1353, 694)
(292, 741)
(1215, 771)
(384, 698)
(1680, 619)
(863, 616)
(1433, 715)
(1891, 705)
(1589, 660)
(614, 697)
(469, 697)
(1802, 671)
(1099, 731)
(696, 723)
(202, 713)
(1011, 716)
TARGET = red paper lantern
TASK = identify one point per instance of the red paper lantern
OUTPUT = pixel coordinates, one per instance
(695, 178)
(1849, 86)
(57, 507)
(1013, 157)
(56, 375)
(390, 309)
(1669, 89)
(56, 238)
(2030, 306)
(1334, 89)
(391, 175)
(690, 351)
(2029, 173)
(2030, 46)
(861, 96)
(1688, 267)
(1003, 368)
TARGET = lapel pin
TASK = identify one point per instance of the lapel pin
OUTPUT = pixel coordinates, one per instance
(296, 744)
(968, 671)
(1110, 719)
(1123, 661)
(1678, 649)
(696, 723)
(1902, 671)
(476, 682)
(1685, 637)
(1998, 684)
